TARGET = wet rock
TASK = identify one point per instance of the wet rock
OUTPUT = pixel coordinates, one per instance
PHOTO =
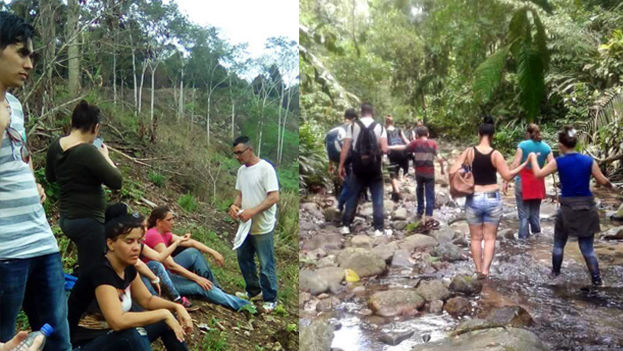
(332, 214)
(359, 290)
(303, 298)
(324, 239)
(361, 240)
(317, 282)
(466, 284)
(435, 306)
(364, 262)
(326, 261)
(386, 251)
(461, 241)
(513, 316)
(457, 306)
(496, 339)
(366, 312)
(399, 225)
(366, 210)
(317, 336)
(394, 339)
(448, 252)
(328, 304)
(401, 259)
(312, 208)
(613, 233)
(442, 199)
(444, 234)
(508, 234)
(433, 290)
(388, 206)
(306, 226)
(417, 241)
(395, 302)
(618, 215)
(400, 214)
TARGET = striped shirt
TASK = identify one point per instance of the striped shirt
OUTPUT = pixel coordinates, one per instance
(24, 229)
(425, 152)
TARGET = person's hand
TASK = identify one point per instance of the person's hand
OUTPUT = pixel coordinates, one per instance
(218, 258)
(183, 239)
(42, 196)
(233, 211)
(19, 337)
(246, 215)
(184, 319)
(204, 283)
(505, 187)
(342, 172)
(5, 115)
(175, 326)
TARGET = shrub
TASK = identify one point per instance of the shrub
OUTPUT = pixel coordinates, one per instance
(187, 202)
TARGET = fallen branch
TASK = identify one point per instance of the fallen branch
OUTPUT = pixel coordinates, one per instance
(137, 161)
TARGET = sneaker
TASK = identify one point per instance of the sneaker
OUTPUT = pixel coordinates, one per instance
(344, 230)
(388, 232)
(187, 304)
(269, 306)
(245, 295)
(378, 233)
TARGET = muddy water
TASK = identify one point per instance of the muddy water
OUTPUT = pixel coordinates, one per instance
(568, 314)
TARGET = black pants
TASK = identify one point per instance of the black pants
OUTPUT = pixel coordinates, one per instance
(88, 235)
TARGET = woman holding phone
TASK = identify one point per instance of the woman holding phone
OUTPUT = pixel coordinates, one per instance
(80, 169)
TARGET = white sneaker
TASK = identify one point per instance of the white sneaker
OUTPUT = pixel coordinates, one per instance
(269, 306)
(388, 232)
(245, 295)
(378, 233)
(344, 230)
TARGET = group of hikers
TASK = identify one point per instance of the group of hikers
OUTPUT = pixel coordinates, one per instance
(125, 262)
(361, 143)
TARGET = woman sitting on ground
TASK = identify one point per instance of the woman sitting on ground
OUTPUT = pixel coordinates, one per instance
(193, 276)
(99, 305)
(483, 209)
(577, 215)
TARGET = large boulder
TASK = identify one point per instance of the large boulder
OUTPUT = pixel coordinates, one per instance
(364, 262)
(386, 251)
(361, 240)
(445, 234)
(442, 199)
(433, 290)
(618, 215)
(466, 284)
(399, 225)
(400, 214)
(458, 306)
(321, 280)
(332, 214)
(395, 338)
(312, 208)
(395, 302)
(417, 241)
(401, 258)
(613, 233)
(317, 336)
(326, 239)
(448, 252)
(495, 339)
(510, 316)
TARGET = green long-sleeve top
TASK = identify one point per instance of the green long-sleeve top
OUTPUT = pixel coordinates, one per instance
(80, 172)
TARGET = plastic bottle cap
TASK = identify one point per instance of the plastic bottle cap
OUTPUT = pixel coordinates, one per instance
(47, 329)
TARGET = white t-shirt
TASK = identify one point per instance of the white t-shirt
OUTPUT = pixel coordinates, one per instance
(255, 182)
(353, 133)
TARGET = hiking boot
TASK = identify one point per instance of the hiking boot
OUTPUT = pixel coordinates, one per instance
(269, 306)
(245, 295)
(344, 230)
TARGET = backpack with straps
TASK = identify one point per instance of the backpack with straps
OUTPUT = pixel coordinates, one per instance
(394, 137)
(366, 159)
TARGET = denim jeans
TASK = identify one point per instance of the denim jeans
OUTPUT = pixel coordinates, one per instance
(263, 246)
(345, 193)
(36, 285)
(528, 211)
(133, 340)
(165, 280)
(483, 208)
(425, 186)
(90, 239)
(194, 261)
(586, 247)
(376, 189)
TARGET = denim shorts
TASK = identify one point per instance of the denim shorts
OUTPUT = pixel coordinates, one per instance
(483, 208)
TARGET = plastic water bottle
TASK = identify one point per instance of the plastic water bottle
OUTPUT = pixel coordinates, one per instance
(46, 331)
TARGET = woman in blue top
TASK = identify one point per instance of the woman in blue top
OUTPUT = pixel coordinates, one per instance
(528, 211)
(578, 214)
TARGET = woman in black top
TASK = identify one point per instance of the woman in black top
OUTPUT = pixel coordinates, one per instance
(99, 305)
(483, 209)
(80, 168)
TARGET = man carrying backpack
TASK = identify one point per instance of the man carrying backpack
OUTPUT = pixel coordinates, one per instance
(333, 143)
(369, 143)
(398, 159)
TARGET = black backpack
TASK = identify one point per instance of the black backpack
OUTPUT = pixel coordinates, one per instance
(366, 159)
(394, 137)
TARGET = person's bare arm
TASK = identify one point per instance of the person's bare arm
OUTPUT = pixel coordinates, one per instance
(167, 251)
(143, 270)
(383, 145)
(220, 260)
(539, 172)
(599, 176)
(235, 207)
(500, 164)
(343, 155)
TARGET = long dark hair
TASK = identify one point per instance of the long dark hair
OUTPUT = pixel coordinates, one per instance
(534, 132)
(158, 213)
(85, 117)
(119, 222)
(567, 136)
(487, 127)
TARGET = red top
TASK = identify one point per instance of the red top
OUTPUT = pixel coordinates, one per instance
(153, 237)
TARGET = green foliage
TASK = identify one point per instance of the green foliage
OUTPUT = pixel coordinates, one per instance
(214, 340)
(312, 158)
(280, 311)
(187, 202)
(488, 75)
(131, 189)
(249, 308)
(156, 178)
(292, 328)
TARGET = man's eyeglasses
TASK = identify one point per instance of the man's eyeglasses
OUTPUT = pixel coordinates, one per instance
(238, 153)
(16, 137)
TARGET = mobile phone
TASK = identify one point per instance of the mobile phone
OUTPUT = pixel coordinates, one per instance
(98, 142)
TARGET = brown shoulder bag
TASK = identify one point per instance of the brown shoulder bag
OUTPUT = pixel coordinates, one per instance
(462, 181)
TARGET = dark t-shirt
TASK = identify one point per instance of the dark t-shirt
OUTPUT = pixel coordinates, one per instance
(86, 321)
(425, 152)
(80, 172)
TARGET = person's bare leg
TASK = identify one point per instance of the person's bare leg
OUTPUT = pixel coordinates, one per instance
(489, 232)
(476, 236)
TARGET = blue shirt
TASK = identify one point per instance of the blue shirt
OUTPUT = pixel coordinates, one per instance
(24, 229)
(538, 147)
(575, 174)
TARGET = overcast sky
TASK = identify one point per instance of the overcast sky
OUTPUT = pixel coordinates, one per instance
(250, 21)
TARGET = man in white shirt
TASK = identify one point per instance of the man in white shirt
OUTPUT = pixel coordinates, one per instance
(257, 196)
(370, 175)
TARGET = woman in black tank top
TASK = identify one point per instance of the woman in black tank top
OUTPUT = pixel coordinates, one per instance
(483, 209)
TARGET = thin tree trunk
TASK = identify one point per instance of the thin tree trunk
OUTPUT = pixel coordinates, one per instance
(180, 110)
(134, 78)
(208, 116)
(140, 87)
(151, 107)
(73, 50)
(233, 118)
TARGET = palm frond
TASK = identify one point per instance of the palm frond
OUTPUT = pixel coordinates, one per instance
(540, 39)
(544, 4)
(488, 75)
(530, 77)
(517, 30)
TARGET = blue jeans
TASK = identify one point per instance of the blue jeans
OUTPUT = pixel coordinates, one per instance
(263, 246)
(133, 340)
(376, 189)
(194, 261)
(528, 211)
(425, 186)
(586, 247)
(37, 285)
(165, 280)
(345, 193)
(483, 208)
